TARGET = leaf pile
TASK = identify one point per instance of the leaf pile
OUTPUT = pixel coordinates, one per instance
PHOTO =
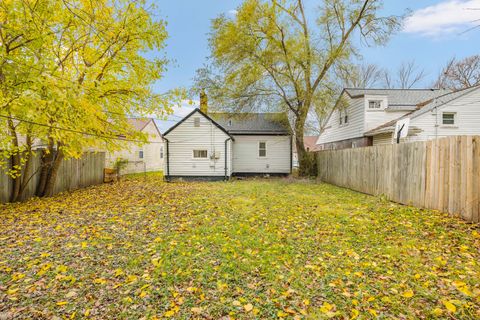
(142, 248)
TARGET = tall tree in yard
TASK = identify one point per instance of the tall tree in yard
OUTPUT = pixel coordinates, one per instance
(71, 72)
(276, 53)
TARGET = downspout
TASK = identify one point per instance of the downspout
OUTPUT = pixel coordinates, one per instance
(291, 154)
(167, 177)
(226, 161)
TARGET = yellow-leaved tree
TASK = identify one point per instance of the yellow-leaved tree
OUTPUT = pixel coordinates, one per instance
(71, 73)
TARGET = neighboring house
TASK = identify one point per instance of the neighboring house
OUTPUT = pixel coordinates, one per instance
(141, 158)
(310, 143)
(358, 111)
(218, 145)
(451, 114)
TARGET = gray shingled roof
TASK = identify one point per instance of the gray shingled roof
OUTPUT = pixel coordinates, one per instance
(424, 107)
(398, 98)
(252, 123)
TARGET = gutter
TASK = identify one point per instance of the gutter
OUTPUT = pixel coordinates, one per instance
(226, 161)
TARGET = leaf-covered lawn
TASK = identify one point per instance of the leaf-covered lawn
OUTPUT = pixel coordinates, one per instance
(245, 249)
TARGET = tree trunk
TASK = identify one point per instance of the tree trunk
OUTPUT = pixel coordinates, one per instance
(52, 176)
(27, 172)
(16, 162)
(47, 160)
(306, 160)
(17, 179)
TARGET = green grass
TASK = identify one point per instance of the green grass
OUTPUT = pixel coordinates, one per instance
(254, 249)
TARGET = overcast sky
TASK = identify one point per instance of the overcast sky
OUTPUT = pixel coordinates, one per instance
(434, 33)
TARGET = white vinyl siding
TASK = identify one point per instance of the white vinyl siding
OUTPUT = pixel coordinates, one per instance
(376, 117)
(247, 159)
(356, 117)
(186, 137)
(467, 119)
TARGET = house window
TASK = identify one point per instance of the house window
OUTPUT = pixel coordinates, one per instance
(448, 118)
(343, 116)
(200, 154)
(229, 123)
(375, 104)
(140, 154)
(196, 122)
(262, 149)
(161, 152)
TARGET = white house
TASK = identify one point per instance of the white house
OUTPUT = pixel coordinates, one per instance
(359, 111)
(451, 114)
(141, 158)
(216, 146)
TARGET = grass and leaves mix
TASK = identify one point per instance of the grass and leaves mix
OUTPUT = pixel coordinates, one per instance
(255, 249)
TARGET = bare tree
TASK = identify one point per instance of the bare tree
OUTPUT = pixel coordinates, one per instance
(408, 76)
(460, 74)
(359, 76)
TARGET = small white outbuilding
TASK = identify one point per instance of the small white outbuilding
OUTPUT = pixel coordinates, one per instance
(216, 146)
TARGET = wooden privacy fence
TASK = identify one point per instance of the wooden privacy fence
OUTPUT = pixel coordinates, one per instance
(441, 174)
(73, 174)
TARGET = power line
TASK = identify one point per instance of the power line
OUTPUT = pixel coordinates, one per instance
(77, 131)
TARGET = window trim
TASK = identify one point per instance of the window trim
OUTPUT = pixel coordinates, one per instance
(161, 152)
(262, 149)
(380, 101)
(200, 158)
(141, 154)
(454, 114)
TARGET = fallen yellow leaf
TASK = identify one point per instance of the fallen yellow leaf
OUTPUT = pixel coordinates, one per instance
(408, 294)
(355, 314)
(450, 306)
(248, 307)
(196, 310)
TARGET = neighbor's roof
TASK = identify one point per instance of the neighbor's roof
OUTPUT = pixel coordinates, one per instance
(398, 98)
(422, 108)
(310, 142)
(140, 123)
(252, 123)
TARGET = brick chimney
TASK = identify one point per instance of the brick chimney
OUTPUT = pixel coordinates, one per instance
(203, 101)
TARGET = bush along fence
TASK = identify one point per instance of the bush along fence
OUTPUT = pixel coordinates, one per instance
(73, 174)
(441, 174)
